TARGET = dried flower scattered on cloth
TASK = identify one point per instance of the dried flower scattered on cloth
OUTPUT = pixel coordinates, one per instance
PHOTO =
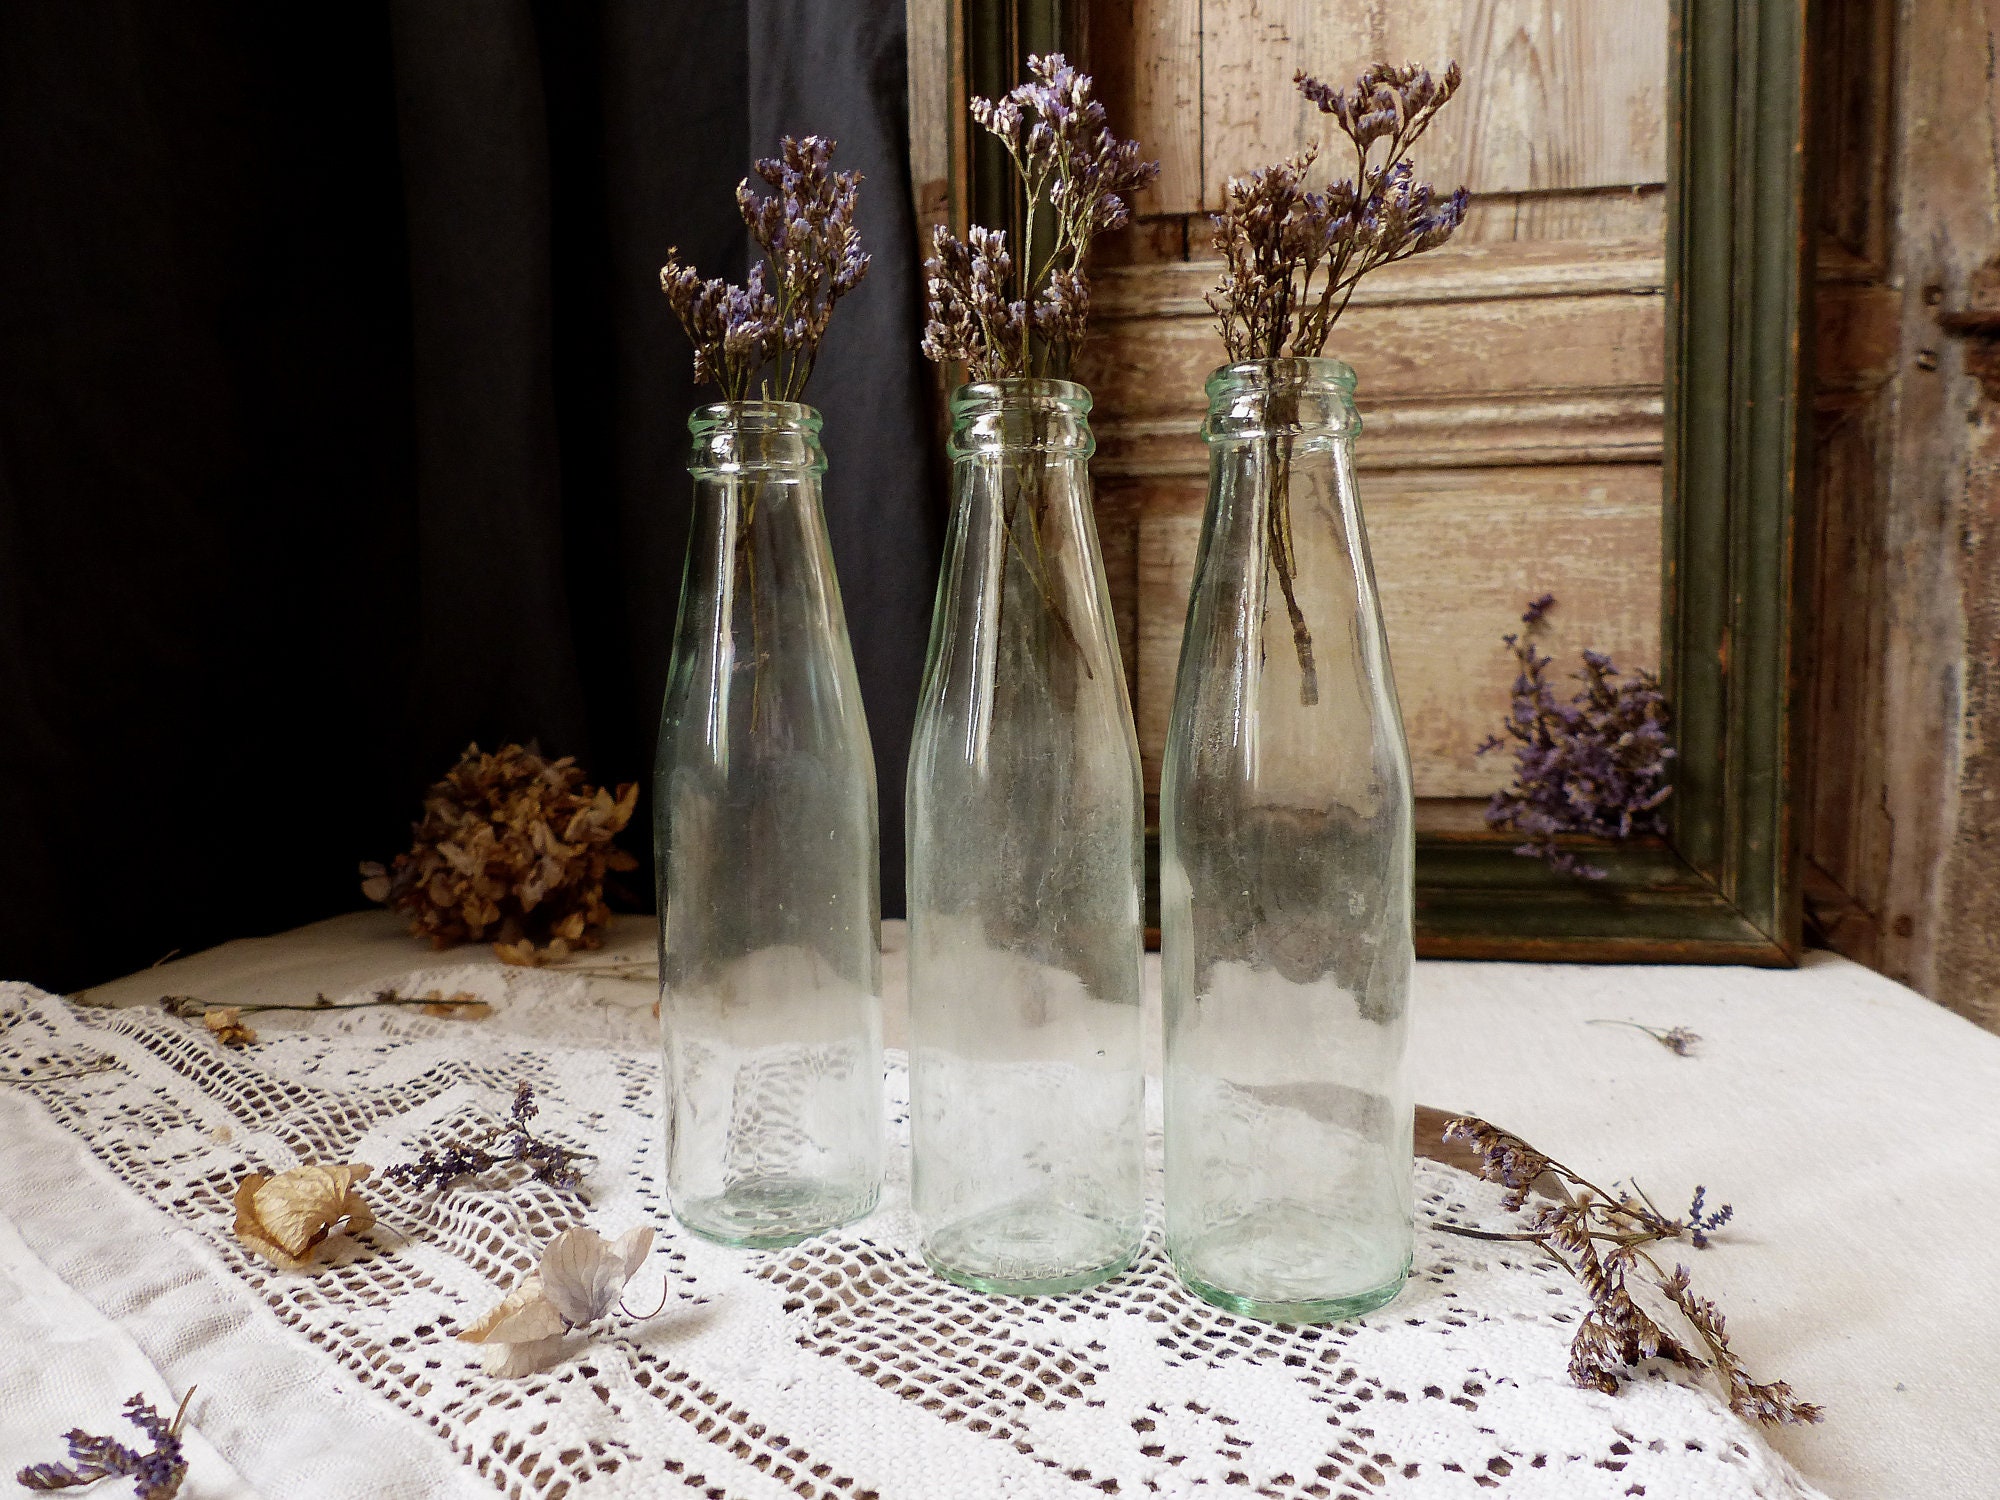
(1001, 315)
(1594, 765)
(1677, 1039)
(155, 1474)
(287, 1219)
(226, 1021)
(1293, 256)
(512, 849)
(1601, 1240)
(503, 1143)
(813, 258)
(578, 1282)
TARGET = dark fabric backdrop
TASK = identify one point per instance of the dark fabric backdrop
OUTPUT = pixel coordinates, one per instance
(342, 423)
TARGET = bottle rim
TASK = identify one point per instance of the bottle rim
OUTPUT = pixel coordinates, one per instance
(1318, 370)
(755, 416)
(1021, 390)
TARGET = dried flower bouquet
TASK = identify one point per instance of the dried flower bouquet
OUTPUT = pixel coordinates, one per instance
(1004, 317)
(805, 227)
(1294, 256)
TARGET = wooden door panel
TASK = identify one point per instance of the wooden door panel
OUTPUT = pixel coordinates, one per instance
(1457, 553)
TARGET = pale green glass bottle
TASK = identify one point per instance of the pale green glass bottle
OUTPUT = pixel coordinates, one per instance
(1287, 858)
(766, 855)
(1026, 1083)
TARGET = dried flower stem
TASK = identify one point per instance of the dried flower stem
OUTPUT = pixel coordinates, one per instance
(1600, 1239)
(1677, 1040)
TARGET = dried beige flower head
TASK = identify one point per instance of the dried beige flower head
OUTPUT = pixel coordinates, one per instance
(226, 1021)
(578, 1282)
(288, 1218)
(512, 849)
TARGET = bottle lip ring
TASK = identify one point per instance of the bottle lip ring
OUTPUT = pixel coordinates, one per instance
(1020, 390)
(755, 416)
(1319, 370)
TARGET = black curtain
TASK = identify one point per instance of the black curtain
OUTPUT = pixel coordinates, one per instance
(342, 423)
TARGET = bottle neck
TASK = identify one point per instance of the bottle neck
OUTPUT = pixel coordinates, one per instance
(772, 440)
(1303, 400)
(1019, 418)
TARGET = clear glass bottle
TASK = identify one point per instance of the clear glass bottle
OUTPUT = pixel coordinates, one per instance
(1026, 1082)
(765, 854)
(1286, 875)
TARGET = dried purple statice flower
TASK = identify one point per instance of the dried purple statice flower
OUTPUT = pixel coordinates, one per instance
(805, 227)
(1601, 1240)
(1595, 765)
(1003, 316)
(155, 1474)
(504, 1143)
(1293, 255)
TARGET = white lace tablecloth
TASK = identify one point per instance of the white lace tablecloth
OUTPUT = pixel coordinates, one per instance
(839, 1370)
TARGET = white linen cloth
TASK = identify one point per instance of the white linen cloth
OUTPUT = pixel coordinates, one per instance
(841, 1368)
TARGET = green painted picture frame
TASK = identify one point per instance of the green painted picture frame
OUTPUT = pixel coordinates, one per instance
(1724, 885)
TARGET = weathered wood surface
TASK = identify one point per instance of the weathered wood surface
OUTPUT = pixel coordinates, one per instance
(1566, 96)
(1484, 355)
(1901, 821)
(1457, 554)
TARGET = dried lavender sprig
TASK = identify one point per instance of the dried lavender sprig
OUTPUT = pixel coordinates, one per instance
(1600, 1240)
(805, 228)
(1594, 765)
(155, 1474)
(505, 1143)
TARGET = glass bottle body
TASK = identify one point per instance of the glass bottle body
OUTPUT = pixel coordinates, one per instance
(766, 855)
(1287, 861)
(1026, 1082)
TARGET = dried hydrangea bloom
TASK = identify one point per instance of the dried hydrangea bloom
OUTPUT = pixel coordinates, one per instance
(1002, 316)
(805, 227)
(288, 1218)
(512, 849)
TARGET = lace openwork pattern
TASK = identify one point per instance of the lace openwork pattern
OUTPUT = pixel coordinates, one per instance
(840, 1369)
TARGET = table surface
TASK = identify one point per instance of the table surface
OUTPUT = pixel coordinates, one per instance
(1848, 1120)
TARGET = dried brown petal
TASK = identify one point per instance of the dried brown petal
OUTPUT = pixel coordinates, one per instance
(460, 1005)
(226, 1021)
(287, 1218)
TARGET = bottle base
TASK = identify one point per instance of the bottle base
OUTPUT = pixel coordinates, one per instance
(1030, 1250)
(1315, 1310)
(769, 1213)
(1286, 1264)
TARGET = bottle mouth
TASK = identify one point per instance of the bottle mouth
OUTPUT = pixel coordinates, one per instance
(757, 416)
(747, 437)
(1267, 374)
(1261, 397)
(1019, 391)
